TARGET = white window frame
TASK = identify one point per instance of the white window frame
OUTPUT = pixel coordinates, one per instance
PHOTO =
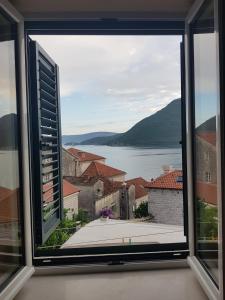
(21, 277)
(203, 277)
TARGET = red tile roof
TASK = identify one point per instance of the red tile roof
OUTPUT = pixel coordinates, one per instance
(208, 136)
(139, 184)
(110, 187)
(207, 192)
(97, 169)
(138, 180)
(68, 189)
(84, 156)
(167, 181)
(9, 206)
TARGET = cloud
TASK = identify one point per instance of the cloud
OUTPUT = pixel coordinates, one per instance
(137, 74)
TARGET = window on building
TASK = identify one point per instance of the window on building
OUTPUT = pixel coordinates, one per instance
(208, 177)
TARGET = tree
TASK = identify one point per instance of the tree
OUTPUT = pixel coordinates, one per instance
(207, 221)
(142, 210)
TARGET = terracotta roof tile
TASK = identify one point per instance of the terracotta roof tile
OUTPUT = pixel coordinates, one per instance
(97, 169)
(207, 192)
(68, 189)
(9, 206)
(84, 156)
(139, 184)
(167, 181)
(208, 136)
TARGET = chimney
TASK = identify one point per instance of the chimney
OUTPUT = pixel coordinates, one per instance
(167, 169)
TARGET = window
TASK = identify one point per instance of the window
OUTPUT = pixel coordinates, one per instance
(207, 177)
(117, 172)
(11, 243)
(205, 98)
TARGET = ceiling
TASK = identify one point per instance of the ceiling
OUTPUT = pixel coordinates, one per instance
(157, 9)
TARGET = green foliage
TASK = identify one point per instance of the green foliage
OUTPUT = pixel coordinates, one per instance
(82, 216)
(142, 210)
(66, 228)
(207, 222)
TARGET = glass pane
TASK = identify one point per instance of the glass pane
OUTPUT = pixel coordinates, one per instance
(205, 108)
(10, 201)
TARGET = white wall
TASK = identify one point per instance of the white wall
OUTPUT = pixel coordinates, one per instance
(108, 201)
(71, 202)
(140, 200)
(117, 178)
(9, 177)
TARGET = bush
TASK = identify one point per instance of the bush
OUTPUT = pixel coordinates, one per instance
(207, 222)
(82, 216)
(142, 210)
(66, 228)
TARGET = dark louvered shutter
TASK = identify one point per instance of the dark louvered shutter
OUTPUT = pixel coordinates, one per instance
(45, 142)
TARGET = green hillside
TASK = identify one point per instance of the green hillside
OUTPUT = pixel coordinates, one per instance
(161, 129)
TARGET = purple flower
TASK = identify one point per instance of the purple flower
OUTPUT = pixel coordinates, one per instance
(106, 212)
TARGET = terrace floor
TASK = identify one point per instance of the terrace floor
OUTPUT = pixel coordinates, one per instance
(114, 232)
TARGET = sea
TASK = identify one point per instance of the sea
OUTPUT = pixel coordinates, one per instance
(137, 161)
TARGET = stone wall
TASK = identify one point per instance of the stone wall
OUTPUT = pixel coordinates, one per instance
(166, 206)
(68, 164)
(109, 201)
(205, 160)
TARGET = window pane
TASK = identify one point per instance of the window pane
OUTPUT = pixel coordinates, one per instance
(205, 108)
(10, 201)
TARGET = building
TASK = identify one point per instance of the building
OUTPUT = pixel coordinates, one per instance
(70, 198)
(127, 201)
(97, 169)
(141, 193)
(81, 162)
(165, 200)
(9, 217)
(91, 189)
(206, 181)
(69, 163)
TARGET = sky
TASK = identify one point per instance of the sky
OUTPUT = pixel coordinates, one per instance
(109, 83)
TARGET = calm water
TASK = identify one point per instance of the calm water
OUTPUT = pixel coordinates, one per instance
(144, 162)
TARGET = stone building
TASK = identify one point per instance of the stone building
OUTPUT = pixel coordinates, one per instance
(81, 162)
(165, 200)
(206, 181)
(127, 201)
(97, 169)
(141, 193)
(68, 163)
(91, 189)
(70, 198)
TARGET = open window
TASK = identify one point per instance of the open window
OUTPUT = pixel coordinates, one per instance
(121, 189)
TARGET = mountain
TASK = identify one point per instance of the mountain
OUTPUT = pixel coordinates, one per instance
(8, 132)
(208, 125)
(162, 129)
(79, 138)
